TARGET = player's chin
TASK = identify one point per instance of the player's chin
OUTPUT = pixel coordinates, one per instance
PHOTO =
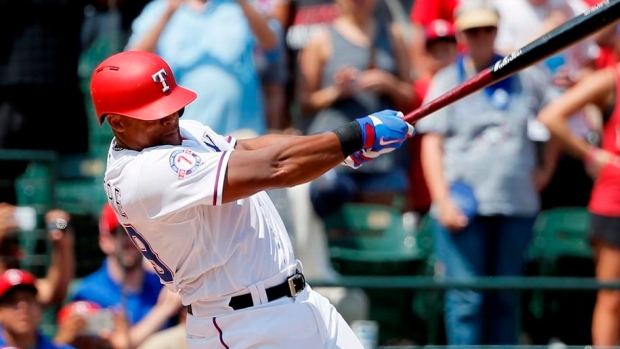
(173, 138)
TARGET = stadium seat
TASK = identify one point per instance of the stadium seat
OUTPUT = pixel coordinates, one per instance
(560, 248)
(369, 239)
(372, 233)
(560, 232)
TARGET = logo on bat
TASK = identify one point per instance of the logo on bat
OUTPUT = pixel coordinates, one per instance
(504, 61)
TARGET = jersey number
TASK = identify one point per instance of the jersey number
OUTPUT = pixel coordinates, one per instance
(140, 242)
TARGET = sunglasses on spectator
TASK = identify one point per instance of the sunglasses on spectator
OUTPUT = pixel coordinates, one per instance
(478, 30)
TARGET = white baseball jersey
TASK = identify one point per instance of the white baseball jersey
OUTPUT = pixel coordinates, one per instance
(169, 199)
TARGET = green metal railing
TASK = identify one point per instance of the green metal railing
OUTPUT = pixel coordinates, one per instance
(481, 283)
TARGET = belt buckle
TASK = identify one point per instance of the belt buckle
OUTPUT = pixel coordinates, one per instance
(296, 283)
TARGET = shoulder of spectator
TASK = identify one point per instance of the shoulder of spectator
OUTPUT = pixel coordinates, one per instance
(319, 41)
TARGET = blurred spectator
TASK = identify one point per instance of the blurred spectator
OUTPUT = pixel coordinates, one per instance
(606, 41)
(600, 89)
(39, 62)
(526, 20)
(52, 289)
(440, 50)
(354, 67)
(481, 170)
(422, 14)
(20, 312)
(218, 65)
(72, 320)
(272, 68)
(123, 284)
(86, 325)
(523, 21)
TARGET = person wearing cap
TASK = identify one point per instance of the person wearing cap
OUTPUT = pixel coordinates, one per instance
(20, 312)
(440, 50)
(126, 284)
(483, 175)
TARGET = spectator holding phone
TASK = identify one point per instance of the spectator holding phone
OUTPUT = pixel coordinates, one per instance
(141, 305)
(86, 325)
(20, 312)
(52, 288)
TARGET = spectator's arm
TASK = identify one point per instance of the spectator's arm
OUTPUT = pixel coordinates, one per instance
(312, 59)
(168, 305)
(402, 90)
(417, 52)
(260, 27)
(53, 287)
(598, 89)
(8, 223)
(282, 12)
(432, 165)
(149, 41)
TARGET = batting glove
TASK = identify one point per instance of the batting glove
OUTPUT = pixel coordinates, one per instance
(383, 132)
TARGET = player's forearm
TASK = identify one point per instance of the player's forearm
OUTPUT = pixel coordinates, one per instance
(287, 162)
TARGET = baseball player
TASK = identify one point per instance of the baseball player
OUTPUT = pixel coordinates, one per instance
(194, 204)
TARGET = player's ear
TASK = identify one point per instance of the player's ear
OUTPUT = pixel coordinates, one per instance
(115, 121)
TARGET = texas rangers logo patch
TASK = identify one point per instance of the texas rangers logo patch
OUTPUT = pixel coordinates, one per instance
(184, 162)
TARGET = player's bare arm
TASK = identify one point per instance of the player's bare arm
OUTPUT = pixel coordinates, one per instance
(285, 161)
(278, 162)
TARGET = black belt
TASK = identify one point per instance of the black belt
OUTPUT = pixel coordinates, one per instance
(289, 288)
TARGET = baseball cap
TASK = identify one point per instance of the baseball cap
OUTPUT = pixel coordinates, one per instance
(475, 14)
(108, 223)
(14, 278)
(77, 307)
(438, 29)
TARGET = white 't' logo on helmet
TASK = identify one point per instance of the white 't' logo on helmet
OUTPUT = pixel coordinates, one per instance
(160, 77)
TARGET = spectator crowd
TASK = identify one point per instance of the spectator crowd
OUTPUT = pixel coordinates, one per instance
(481, 168)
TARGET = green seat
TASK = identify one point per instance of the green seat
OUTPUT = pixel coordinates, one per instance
(369, 239)
(559, 236)
(561, 232)
(371, 233)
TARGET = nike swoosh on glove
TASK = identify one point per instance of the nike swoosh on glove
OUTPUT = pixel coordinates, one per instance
(382, 132)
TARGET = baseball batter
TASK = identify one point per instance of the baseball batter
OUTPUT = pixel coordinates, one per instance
(193, 202)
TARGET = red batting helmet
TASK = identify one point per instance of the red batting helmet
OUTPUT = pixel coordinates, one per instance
(137, 84)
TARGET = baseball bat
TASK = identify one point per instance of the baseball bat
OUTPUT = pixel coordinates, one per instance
(590, 21)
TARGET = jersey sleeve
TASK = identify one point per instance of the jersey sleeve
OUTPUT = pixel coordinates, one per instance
(177, 177)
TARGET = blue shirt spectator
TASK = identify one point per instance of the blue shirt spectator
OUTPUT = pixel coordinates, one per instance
(99, 288)
(42, 343)
(209, 46)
